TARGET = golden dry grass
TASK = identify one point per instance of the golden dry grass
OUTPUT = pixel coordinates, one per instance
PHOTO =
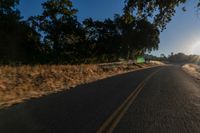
(192, 69)
(25, 82)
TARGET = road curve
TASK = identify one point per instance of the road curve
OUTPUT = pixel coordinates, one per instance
(168, 102)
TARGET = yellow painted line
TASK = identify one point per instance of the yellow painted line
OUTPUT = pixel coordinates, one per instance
(109, 125)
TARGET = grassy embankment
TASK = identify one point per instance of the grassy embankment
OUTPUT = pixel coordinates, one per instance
(192, 69)
(24, 82)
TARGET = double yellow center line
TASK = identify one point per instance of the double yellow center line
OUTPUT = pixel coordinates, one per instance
(109, 125)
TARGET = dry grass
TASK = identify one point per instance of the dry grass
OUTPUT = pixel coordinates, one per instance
(156, 62)
(25, 82)
(192, 69)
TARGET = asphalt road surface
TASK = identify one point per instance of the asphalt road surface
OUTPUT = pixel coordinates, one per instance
(155, 100)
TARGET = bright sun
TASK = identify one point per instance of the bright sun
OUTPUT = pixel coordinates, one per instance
(195, 49)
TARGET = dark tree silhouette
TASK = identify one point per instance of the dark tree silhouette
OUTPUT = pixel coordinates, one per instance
(60, 28)
(17, 39)
(160, 10)
(56, 36)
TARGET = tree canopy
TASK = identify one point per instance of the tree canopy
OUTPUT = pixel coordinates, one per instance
(17, 39)
(56, 35)
(160, 11)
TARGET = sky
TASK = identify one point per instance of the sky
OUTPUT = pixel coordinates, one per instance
(182, 33)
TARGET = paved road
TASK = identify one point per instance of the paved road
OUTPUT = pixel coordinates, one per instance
(169, 102)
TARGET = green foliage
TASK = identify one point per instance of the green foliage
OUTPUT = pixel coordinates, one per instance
(103, 37)
(183, 58)
(60, 28)
(120, 38)
(17, 39)
(56, 36)
(138, 36)
(160, 11)
(8, 7)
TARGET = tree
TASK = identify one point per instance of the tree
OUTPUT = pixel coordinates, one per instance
(121, 37)
(160, 10)
(60, 28)
(16, 42)
(9, 17)
(103, 38)
(178, 58)
(138, 36)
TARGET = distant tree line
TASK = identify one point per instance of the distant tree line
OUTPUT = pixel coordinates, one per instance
(175, 58)
(56, 36)
(183, 58)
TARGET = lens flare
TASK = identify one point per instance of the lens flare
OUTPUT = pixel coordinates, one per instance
(195, 49)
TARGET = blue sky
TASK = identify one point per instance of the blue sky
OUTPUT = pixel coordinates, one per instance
(182, 33)
(97, 9)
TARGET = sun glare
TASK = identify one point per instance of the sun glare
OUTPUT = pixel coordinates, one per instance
(195, 49)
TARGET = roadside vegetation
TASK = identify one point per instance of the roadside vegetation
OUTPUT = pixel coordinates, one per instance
(178, 58)
(192, 69)
(57, 37)
(18, 83)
